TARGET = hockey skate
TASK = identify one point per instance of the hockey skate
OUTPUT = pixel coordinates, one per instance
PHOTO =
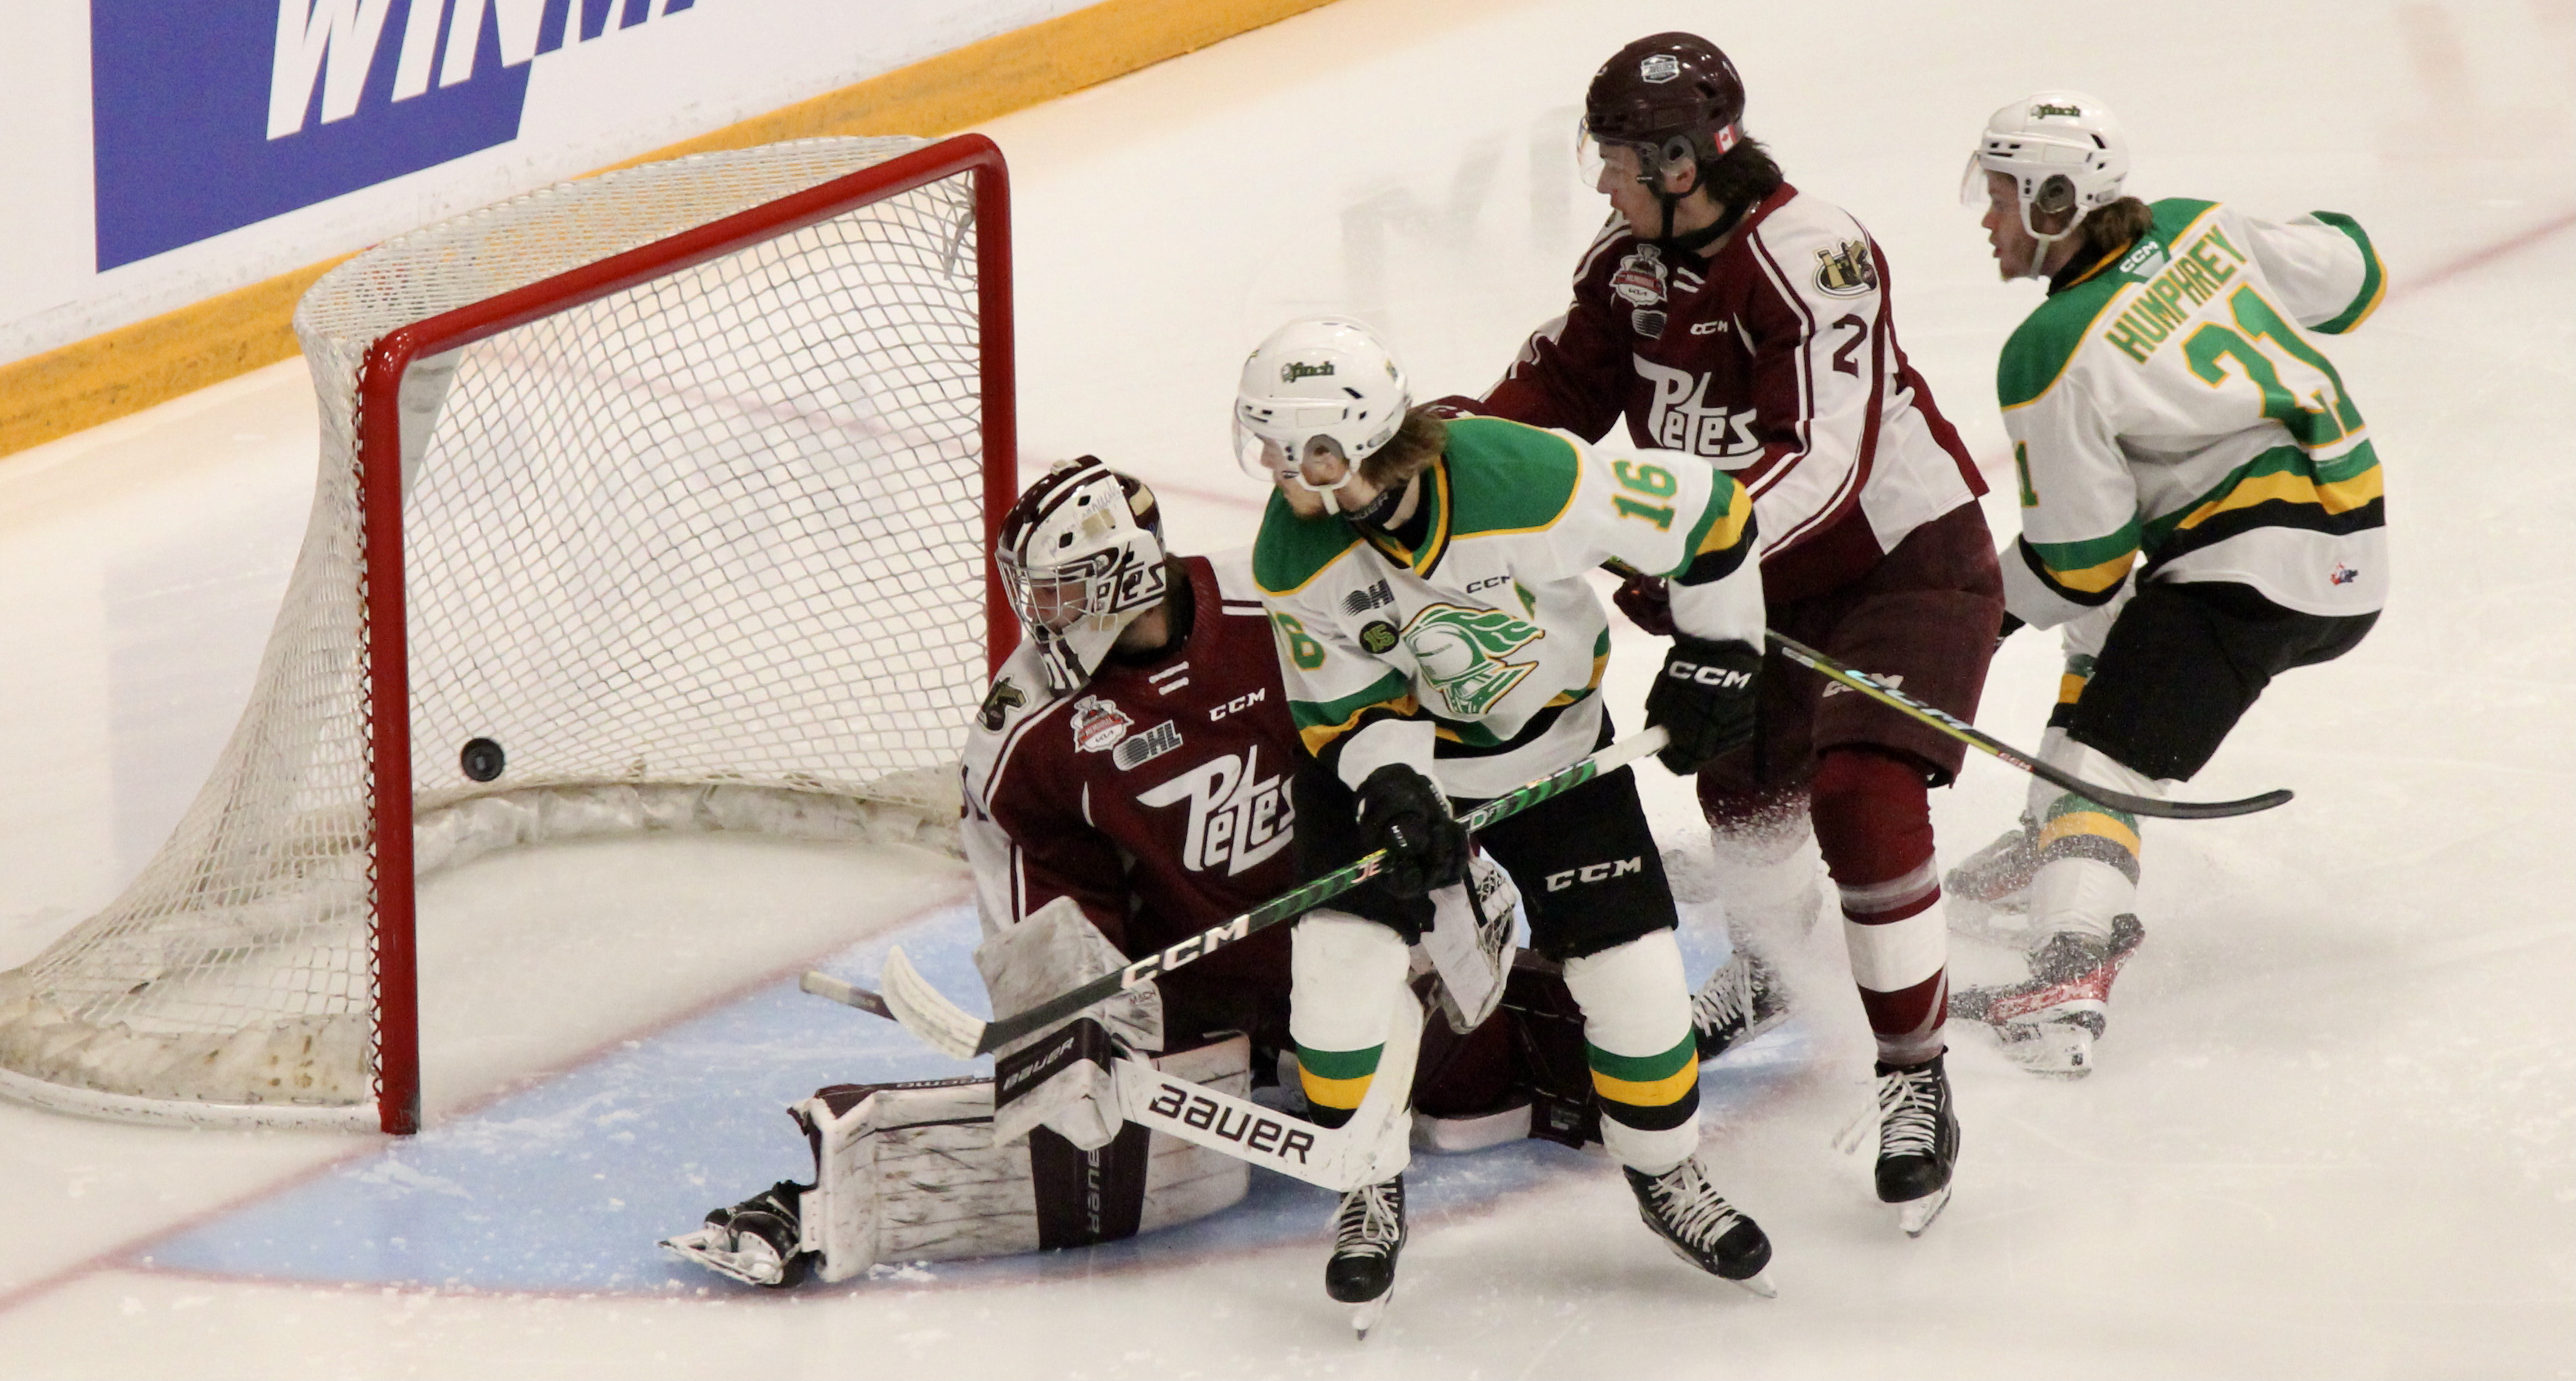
(1702, 1228)
(1738, 1003)
(1988, 897)
(1918, 1142)
(755, 1241)
(1368, 1233)
(2049, 1022)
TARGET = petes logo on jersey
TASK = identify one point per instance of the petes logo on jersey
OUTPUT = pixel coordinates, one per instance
(1680, 420)
(1238, 818)
(1846, 269)
(1460, 652)
(1098, 726)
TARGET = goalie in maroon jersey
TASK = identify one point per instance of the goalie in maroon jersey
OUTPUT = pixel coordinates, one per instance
(1125, 788)
(1725, 313)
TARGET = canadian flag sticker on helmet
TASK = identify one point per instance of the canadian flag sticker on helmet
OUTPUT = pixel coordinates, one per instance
(1659, 68)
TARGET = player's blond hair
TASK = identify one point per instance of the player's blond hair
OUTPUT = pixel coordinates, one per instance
(1418, 441)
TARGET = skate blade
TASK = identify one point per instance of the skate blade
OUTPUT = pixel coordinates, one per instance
(1364, 1315)
(1759, 1283)
(1914, 1215)
(758, 1265)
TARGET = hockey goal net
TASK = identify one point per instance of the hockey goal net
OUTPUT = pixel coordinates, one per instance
(656, 500)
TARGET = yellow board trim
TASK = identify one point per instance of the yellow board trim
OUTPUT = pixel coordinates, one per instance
(2079, 822)
(1660, 1093)
(78, 386)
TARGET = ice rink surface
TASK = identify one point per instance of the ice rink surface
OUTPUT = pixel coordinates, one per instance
(2334, 1127)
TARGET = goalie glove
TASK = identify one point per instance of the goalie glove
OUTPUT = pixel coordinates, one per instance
(1403, 812)
(1704, 699)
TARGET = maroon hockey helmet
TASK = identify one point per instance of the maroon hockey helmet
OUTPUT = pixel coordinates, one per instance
(1673, 95)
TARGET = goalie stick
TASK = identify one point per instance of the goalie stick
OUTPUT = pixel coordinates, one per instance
(1886, 694)
(950, 1029)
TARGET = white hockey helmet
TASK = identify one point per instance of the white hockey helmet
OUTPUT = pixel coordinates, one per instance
(1324, 386)
(2064, 152)
(1081, 556)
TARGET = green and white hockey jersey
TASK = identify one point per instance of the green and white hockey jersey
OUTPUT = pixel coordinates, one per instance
(2170, 413)
(1477, 657)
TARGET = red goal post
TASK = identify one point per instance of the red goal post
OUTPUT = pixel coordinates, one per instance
(803, 404)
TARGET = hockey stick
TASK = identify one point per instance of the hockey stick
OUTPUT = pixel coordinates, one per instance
(948, 1028)
(1890, 696)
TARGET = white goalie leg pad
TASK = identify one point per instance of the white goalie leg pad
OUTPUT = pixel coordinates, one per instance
(1057, 948)
(1475, 931)
(1636, 1003)
(2091, 854)
(914, 1173)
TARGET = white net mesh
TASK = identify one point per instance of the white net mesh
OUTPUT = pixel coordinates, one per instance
(703, 553)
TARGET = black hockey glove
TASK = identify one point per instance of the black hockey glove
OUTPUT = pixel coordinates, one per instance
(1648, 602)
(1704, 699)
(1402, 812)
(2009, 627)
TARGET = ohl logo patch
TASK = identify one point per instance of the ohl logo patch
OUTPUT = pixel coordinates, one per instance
(1460, 651)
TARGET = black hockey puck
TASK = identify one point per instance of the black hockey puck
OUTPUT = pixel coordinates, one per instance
(481, 759)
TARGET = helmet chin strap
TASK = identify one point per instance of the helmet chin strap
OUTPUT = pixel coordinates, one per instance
(1695, 240)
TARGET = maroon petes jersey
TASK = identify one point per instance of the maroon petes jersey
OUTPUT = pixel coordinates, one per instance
(1776, 360)
(1156, 796)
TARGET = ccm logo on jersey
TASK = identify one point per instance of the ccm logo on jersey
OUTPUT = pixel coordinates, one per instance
(1595, 872)
(1701, 674)
(1239, 704)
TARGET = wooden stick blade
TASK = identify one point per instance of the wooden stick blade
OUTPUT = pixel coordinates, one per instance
(824, 985)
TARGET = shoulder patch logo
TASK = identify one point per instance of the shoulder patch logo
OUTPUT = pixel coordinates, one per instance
(1846, 270)
(1098, 726)
(1641, 277)
(1378, 637)
(1460, 652)
(999, 702)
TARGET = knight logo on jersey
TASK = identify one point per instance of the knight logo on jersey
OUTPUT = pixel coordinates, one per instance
(1238, 817)
(1460, 652)
(1640, 278)
(1098, 726)
(1846, 270)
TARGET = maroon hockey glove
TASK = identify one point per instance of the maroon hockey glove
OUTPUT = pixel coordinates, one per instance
(1647, 602)
(1402, 812)
(1704, 698)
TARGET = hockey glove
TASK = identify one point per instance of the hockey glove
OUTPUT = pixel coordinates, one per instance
(2009, 627)
(1704, 698)
(1402, 812)
(1648, 603)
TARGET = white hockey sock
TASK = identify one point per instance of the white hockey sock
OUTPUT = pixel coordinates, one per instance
(2089, 854)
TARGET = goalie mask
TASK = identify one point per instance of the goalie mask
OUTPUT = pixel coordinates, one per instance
(2065, 154)
(1081, 555)
(1320, 389)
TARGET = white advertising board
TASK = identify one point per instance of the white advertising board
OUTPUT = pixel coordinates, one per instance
(161, 152)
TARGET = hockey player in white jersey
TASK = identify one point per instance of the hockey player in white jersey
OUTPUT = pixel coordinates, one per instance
(2201, 511)
(1439, 644)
